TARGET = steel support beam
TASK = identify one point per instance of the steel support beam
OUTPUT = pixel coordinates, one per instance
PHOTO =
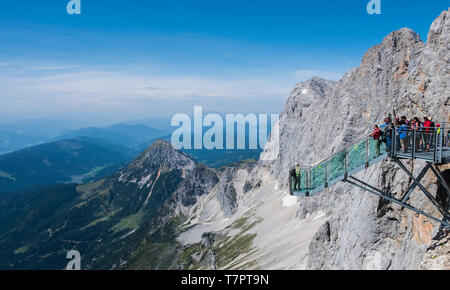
(414, 185)
(444, 222)
(381, 193)
(441, 179)
(424, 190)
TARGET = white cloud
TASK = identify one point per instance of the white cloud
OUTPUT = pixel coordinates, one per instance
(47, 68)
(120, 92)
(60, 89)
(104, 85)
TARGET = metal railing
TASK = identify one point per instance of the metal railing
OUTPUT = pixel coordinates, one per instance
(430, 144)
(357, 156)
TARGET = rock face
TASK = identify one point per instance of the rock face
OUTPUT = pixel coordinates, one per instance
(226, 193)
(320, 117)
(199, 182)
(160, 155)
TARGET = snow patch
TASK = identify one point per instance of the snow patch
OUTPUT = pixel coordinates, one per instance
(144, 181)
(276, 187)
(289, 201)
(320, 214)
(130, 233)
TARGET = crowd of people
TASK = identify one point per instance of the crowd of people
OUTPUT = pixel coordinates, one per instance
(405, 131)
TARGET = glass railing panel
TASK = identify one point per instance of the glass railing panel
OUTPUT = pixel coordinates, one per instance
(446, 137)
(303, 176)
(407, 139)
(414, 141)
(318, 175)
(336, 166)
(357, 155)
(417, 143)
(376, 147)
(445, 148)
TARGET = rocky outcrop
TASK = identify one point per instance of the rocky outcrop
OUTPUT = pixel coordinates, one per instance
(198, 182)
(226, 192)
(437, 256)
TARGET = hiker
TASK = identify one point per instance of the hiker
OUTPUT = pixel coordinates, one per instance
(297, 177)
(387, 132)
(414, 126)
(408, 127)
(438, 132)
(397, 135)
(377, 137)
(427, 134)
(402, 135)
(404, 119)
(419, 133)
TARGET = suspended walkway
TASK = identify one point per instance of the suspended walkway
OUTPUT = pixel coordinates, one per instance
(363, 153)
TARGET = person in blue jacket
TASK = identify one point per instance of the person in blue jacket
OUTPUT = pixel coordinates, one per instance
(402, 133)
(386, 128)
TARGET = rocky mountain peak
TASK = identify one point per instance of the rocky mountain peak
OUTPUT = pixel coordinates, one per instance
(306, 94)
(439, 30)
(397, 48)
(401, 36)
(159, 156)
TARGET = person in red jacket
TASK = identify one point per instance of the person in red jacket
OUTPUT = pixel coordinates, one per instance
(377, 137)
(415, 126)
(427, 126)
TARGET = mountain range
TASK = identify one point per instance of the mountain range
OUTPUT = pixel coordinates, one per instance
(134, 136)
(71, 160)
(34, 132)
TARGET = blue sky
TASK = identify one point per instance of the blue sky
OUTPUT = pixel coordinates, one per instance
(124, 60)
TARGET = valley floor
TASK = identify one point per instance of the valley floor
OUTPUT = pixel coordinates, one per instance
(280, 240)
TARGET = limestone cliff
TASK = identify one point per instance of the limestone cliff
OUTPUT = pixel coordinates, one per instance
(320, 117)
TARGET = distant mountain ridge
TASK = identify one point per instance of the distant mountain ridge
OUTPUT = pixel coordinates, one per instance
(137, 135)
(25, 134)
(10, 142)
(71, 160)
